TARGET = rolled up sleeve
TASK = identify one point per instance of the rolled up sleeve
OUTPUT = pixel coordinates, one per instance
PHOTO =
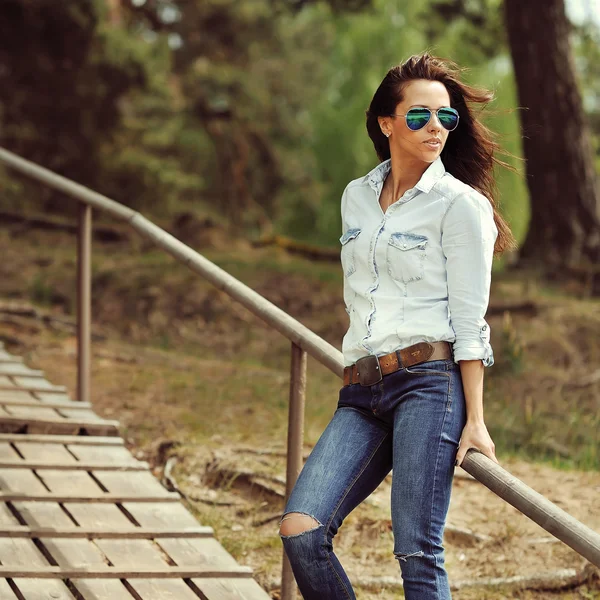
(468, 237)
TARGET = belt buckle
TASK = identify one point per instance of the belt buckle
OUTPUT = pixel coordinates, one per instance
(368, 370)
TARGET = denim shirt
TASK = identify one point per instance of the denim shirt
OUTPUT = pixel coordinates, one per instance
(421, 271)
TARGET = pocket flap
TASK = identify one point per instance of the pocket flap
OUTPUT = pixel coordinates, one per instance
(349, 235)
(408, 241)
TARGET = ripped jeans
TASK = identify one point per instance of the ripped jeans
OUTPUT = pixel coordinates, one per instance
(411, 421)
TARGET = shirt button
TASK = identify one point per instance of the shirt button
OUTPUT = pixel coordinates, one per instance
(484, 328)
(404, 245)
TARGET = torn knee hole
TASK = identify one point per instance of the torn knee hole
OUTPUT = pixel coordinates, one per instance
(297, 523)
(401, 556)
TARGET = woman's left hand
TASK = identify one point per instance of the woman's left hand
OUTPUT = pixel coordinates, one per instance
(475, 435)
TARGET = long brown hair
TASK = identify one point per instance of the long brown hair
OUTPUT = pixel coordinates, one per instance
(469, 150)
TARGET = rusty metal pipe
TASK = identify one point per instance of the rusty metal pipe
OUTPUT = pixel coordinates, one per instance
(84, 301)
(295, 445)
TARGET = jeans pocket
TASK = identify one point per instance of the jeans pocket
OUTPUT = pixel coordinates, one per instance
(432, 367)
(406, 254)
(347, 255)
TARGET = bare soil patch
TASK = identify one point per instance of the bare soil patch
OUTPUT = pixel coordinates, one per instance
(238, 487)
(201, 385)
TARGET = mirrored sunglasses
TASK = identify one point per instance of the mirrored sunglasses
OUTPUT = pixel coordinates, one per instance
(417, 118)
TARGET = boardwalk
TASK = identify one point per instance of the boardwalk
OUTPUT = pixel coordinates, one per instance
(81, 518)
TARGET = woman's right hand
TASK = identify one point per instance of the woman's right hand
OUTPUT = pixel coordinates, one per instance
(475, 435)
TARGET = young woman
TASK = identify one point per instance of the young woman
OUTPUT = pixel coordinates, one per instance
(419, 233)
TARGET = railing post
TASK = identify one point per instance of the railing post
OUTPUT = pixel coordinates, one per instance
(295, 444)
(84, 301)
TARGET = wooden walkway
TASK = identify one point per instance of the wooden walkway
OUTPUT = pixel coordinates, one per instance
(81, 518)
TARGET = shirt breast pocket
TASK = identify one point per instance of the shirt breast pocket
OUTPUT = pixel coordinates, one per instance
(406, 254)
(348, 241)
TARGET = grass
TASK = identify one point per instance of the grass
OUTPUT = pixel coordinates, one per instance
(533, 405)
(210, 404)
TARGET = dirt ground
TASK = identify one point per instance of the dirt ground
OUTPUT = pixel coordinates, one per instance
(237, 488)
(166, 364)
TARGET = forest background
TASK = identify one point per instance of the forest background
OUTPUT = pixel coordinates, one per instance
(250, 112)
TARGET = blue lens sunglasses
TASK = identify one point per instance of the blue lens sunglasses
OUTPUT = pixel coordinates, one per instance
(417, 118)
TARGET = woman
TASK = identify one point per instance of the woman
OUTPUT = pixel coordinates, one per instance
(419, 234)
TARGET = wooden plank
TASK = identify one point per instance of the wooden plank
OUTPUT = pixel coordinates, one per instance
(185, 552)
(26, 412)
(104, 498)
(19, 369)
(207, 552)
(82, 423)
(71, 440)
(16, 394)
(204, 552)
(5, 357)
(44, 572)
(7, 452)
(66, 407)
(121, 553)
(24, 381)
(132, 483)
(196, 552)
(74, 412)
(230, 588)
(142, 533)
(54, 396)
(74, 466)
(32, 387)
(23, 554)
(6, 592)
(223, 588)
(66, 481)
(70, 408)
(11, 369)
(112, 455)
(57, 425)
(74, 552)
(39, 404)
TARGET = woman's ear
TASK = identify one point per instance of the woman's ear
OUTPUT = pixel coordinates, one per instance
(383, 125)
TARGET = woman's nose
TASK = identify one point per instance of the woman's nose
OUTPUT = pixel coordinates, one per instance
(434, 122)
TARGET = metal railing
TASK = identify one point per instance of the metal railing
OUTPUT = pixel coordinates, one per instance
(553, 519)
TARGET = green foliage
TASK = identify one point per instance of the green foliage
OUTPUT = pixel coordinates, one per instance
(586, 45)
(59, 89)
(40, 291)
(364, 48)
(78, 94)
(249, 83)
(253, 111)
(512, 347)
(473, 29)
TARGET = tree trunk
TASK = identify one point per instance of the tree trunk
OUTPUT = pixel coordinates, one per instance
(564, 231)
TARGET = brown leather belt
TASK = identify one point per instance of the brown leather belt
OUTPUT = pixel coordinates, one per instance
(371, 369)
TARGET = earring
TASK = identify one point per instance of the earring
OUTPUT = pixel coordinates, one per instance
(387, 135)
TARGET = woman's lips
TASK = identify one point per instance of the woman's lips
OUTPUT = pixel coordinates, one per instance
(433, 145)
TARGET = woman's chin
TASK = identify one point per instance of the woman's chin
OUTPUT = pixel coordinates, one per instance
(430, 156)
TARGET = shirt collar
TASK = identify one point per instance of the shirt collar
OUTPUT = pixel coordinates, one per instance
(432, 174)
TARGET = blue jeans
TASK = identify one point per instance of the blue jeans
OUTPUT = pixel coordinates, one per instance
(411, 421)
